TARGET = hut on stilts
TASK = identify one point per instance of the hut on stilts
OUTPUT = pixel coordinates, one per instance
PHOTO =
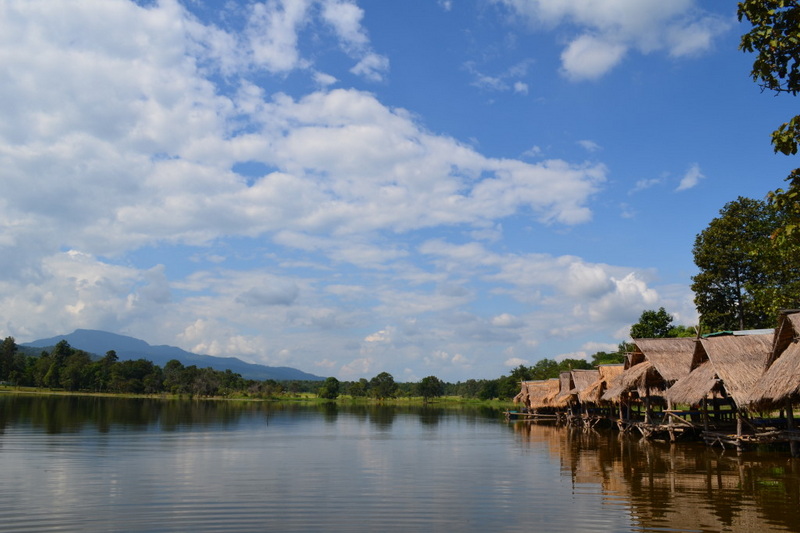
(650, 369)
(778, 388)
(726, 387)
(592, 395)
(571, 383)
(725, 367)
(537, 401)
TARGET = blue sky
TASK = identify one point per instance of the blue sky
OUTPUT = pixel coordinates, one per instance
(350, 187)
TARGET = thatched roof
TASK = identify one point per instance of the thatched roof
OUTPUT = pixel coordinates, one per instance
(538, 394)
(638, 377)
(787, 333)
(739, 361)
(672, 358)
(697, 385)
(781, 380)
(594, 392)
(565, 392)
(666, 360)
(581, 379)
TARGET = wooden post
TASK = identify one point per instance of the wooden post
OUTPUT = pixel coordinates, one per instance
(669, 422)
(647, 407)
(705, 414)
(739, 447)
(793, 444)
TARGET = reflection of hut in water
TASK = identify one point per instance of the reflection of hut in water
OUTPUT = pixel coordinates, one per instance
(652, 366)
(674, 488)
(724, 369)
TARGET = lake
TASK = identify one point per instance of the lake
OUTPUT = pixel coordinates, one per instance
(111, 464)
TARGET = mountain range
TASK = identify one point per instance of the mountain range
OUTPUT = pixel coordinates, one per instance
(99, 342)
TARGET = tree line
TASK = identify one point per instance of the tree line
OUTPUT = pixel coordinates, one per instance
(71, 369)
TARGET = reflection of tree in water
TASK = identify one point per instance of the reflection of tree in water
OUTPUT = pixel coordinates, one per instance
(72, 414)
(681, 486)
(430, 416)
(382, 416)
(330, 412)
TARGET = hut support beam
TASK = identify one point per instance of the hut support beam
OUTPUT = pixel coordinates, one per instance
(794, 446)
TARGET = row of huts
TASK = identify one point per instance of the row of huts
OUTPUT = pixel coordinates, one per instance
(730, 388)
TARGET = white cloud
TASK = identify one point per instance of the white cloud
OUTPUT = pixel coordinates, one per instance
(372, 66)
(644, 184)
(589, 146)
(607, 30)
(272, 34)
(691, 178)
(508, 80)
(589, 58)
(507, 320)
(349, 244)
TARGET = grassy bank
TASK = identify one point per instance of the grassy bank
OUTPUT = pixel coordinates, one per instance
(305, 397)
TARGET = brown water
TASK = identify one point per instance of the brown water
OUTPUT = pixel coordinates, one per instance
(73, 464)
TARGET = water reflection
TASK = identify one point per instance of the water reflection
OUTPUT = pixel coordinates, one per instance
(683, 487)
(113, 464)
(72, 414)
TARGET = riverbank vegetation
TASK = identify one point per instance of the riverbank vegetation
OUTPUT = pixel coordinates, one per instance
(63, 368)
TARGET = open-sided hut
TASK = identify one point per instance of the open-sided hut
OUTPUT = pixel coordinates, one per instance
(593, 393)
(652, 366)
(582, 380)
(778, 386)
(724, 365)
(572, 382)
(538, 394)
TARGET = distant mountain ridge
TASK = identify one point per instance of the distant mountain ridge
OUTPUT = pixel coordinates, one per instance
(99, 342)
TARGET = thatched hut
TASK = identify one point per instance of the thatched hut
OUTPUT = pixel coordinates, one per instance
(582, 379)
(779, 385)
(538, 394)
(572, 382)
(593, 393)
(724, 365)
(652, 366)
(565, 387)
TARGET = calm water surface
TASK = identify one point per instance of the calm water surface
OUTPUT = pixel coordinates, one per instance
(89, 464)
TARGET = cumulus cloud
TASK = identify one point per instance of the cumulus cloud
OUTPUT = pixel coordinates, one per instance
(347, 241)
(588, 58)
(606, 31)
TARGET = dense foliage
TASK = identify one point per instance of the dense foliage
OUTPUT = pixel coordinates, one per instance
(744, 278)
(775, 39)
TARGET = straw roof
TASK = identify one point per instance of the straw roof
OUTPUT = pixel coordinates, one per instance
(738, 361)
(538, 394)
(787, 332)
(697, 385)
(639, 377)
(565, 392)
(781, 380)
(672, 358)
(594, 392)
(554, 398)
(665, 360)
(583, 378)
